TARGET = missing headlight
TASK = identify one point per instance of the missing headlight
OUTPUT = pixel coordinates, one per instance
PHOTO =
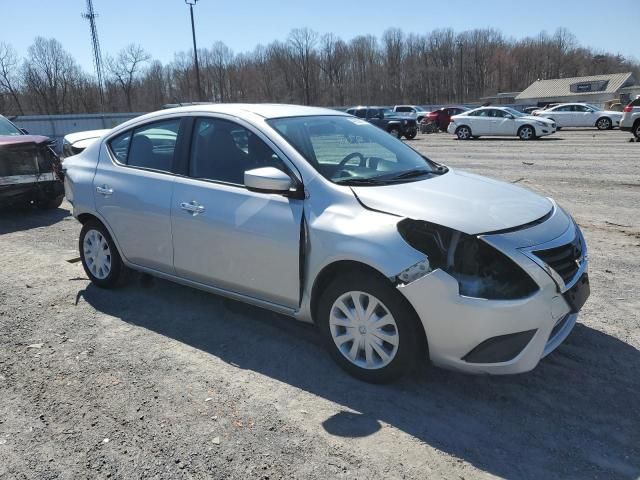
(481, 270)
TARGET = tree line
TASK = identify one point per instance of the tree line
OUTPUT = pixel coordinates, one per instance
(441, 66)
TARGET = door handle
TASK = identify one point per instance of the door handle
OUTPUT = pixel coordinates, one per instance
(194, 208)
(104, 190)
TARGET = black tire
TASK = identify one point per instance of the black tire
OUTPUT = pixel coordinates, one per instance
(527, 132)
(464, 133)
(636, 130)
(411, 136)
(118, 272)
(408, 353)
(395, 131)
(604, 123)
(50, 203)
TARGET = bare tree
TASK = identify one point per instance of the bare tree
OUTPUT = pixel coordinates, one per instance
(125, 68)
(302, 43)
(9, 78)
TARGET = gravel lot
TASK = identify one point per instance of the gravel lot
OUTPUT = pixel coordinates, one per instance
(160, 381)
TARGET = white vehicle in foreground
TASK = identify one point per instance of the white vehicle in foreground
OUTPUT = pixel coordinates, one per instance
(581, 115)
(74, 143)
(325, 217)
(499, 122)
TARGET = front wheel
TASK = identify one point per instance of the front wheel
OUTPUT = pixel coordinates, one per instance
(636, 131)
(527, 133)
(604, 124)
(411, 135)
(463, 133)
(369, 329)
(100, 258)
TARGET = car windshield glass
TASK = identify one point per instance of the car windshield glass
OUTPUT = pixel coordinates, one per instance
(388, 112)
(514, 112)
(349, 150)
(8, 128)
(597, 109)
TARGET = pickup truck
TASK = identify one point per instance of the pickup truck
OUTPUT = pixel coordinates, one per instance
(630, 121)
(413, 110)
(386, 119)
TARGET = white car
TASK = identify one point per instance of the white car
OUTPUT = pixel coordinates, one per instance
(581, 115)
(74, 143)
(630, 121)
(499, 121)
(394, 257)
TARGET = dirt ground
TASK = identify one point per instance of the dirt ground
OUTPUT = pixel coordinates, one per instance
(156, 380)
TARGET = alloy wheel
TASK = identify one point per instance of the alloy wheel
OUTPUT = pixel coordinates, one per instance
(364, 330)
(526, 133)
(97, 254)
(603, 124)
(464, 133)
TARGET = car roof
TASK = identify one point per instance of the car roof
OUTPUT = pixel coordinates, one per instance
(265, 110)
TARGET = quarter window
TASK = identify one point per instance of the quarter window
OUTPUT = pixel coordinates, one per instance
(223, 151)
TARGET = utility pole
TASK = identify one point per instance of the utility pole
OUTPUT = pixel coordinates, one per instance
(460, 45)
(191, 3)
(97, 57)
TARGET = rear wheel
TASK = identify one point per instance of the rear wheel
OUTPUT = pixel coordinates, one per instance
(100, 258)
(636, 130)
(604, 123)
(463, 133)
(369, 329)
(50, 203)
(527, 132)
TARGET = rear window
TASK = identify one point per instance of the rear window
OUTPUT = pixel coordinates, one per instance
(635, 103)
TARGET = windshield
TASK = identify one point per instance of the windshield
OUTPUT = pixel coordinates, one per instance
(8, 128)
(514, 112)
(388, 112)
(597, 109)
(349, 150)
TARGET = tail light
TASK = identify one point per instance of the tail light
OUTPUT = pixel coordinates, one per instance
(628, 108)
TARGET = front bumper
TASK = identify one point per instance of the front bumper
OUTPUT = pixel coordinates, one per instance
(456, 325)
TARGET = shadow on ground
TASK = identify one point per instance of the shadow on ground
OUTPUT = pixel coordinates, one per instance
(13, 220)
(576, 416)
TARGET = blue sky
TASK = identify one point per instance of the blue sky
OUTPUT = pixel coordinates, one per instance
(162, 26)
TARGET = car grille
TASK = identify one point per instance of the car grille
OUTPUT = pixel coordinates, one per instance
(565, 260)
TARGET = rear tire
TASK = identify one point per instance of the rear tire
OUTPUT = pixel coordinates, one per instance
(463, 133)
(527, 132)
(50, 203)
(604, 123)
(362, 308)
(100, 258)
(636, 130)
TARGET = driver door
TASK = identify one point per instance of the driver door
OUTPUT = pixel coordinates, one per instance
(226, 236)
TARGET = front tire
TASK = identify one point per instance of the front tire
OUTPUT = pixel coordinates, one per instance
(604, 123)
(100, 258)
(368, 327)
(636, 131)
(463, 133)
(527, 132)
(411, 136)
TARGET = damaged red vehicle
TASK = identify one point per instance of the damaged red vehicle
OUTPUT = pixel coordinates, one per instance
(30, 171)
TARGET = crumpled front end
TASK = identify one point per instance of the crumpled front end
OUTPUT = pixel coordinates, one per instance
(503, 318)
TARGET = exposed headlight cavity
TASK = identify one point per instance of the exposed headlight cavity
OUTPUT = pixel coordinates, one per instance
(481, 270)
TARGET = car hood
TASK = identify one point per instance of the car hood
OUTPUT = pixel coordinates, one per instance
(533, 118)
(9, 140)
(463, 201)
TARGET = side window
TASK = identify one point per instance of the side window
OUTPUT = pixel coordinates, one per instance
(499, 113)
(581, 108)
(566, 108)
(361, 113)
(404, 109)
(372, 113)
(150, 146)
(223, 151)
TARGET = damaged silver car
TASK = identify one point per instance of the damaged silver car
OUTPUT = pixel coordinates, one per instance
(321, 216)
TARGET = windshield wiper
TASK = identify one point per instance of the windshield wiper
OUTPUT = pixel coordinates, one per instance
(417, 172)
(358, 181)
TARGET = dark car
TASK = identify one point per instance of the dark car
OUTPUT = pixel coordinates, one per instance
(442, 116)
(30, 171)
(385, 118)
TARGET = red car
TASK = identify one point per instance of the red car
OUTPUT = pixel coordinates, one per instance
(442, 116)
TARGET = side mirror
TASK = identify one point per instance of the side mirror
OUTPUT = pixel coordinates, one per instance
(267, 180)
(509, 116)
(25, 131)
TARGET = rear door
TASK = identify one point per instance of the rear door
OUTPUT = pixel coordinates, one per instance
(480, 122)
(562, 115)
(226, 236)
(133, 187)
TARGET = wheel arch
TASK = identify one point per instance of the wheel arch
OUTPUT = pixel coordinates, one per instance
(604, 117)
(85, 217)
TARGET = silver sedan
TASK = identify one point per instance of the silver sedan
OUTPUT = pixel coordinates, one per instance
(321, 216)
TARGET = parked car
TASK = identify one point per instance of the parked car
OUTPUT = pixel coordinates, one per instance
(74, 143)
(630, 121)
(417, 112)
(442, 116)
(385, 118)
(581, 115)
(30, 172)
(393, 256)
(499, 121)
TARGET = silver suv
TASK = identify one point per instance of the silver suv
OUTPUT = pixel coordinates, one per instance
(324, 217)
(631, 118)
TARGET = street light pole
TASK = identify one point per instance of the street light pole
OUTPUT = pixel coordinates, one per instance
(191, 3)
(460, 45)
